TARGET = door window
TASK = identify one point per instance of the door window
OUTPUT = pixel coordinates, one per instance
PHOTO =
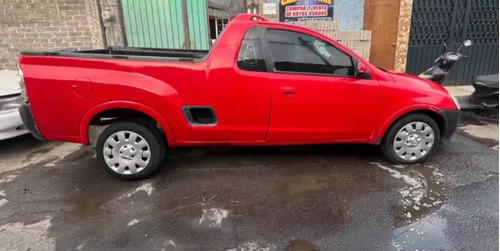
(301, 53)
(250, 57)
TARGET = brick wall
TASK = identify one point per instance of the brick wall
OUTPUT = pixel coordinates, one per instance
(46, 25)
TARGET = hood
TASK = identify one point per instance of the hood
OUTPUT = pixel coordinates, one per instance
(415, 82)
(9, 83)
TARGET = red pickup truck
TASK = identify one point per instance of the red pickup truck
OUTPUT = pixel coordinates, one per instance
(262, 83)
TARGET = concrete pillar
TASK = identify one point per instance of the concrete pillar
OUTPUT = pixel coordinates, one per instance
(94, 23)
(112, 21)
(404, 25)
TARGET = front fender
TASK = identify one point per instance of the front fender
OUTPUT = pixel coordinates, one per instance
(377, 136)
(124, 104)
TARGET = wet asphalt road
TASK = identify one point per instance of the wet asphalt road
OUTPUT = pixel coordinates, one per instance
(331, 197)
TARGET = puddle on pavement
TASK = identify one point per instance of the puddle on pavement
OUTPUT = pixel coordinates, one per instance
(481, 129)
(415, 227)
(427, 234)
(468, 118)
(470, 131)
(421, 193)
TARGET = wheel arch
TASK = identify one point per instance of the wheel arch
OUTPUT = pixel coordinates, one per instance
(141, 110)
(433, 112)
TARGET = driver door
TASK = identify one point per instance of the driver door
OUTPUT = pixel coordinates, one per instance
(315, 96)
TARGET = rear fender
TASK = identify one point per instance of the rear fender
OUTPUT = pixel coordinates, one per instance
(123, 104)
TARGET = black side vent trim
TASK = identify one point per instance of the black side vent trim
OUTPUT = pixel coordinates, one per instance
(200, 115)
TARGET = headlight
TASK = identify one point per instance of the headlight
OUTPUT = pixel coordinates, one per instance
(10, 102)
(456, 102)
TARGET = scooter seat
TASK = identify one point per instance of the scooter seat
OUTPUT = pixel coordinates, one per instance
(490, 81)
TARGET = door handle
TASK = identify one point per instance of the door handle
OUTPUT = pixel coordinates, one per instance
(288, 92)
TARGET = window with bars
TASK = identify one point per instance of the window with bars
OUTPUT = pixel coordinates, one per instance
(216, 26)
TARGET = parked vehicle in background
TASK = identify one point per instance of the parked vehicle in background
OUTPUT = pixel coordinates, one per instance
(443, 64)
(263, 83)
(11, 124)
(484, 99)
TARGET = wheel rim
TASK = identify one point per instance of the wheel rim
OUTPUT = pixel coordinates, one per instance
(126, 152)
(414, 140)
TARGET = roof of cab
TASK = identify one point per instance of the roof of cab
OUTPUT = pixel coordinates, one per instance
(246, 17)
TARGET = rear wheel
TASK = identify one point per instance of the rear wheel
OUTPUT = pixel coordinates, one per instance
(131, 149)
(411, 139)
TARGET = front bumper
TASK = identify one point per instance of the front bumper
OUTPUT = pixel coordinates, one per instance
(451, 119)
(11, 125)
(29, 120)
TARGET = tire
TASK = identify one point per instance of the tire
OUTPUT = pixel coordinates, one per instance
(410, 136)
(129, 159)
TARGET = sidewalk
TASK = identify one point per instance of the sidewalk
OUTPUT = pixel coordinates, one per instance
(460, 90)
(481, 129)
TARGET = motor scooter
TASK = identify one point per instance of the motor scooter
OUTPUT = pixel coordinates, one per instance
(484, 99)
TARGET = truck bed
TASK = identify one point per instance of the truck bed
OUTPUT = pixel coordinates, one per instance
(132, 53)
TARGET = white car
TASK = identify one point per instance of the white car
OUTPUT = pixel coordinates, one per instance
(11, 124)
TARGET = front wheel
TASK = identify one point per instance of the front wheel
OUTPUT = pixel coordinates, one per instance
(412, 139)
(130, 149)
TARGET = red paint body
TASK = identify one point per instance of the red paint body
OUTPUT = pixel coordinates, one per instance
(252, 108)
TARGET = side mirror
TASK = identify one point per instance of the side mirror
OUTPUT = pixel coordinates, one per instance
(361, 70)
(466, 43)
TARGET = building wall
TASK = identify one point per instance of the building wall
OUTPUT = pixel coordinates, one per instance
(390, 22)
(225, 8)
(382, 18)
(348, 13)
(46, 25)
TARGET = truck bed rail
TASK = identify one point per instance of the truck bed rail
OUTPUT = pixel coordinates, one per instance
(131, 53)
